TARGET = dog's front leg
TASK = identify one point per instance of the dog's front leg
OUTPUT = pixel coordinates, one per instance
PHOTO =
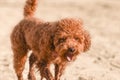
(48, 74)
(59, 68)
(45, 71)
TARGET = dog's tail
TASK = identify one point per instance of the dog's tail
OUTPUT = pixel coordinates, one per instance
(30, 8)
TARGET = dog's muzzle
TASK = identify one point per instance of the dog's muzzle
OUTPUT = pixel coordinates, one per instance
(69, 54)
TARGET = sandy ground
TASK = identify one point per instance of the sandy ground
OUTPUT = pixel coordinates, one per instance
(101, 18)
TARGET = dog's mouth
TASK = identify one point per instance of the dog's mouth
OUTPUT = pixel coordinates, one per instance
(69, 56)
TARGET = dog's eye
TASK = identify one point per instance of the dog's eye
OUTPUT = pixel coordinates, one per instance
(61, 40)
(77, 39)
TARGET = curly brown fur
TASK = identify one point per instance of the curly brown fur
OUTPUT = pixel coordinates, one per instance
(30, 8)
(56, 42)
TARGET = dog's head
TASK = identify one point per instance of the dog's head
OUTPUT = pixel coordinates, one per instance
(70, 39)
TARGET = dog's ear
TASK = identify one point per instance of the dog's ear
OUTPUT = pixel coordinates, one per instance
(87, 41)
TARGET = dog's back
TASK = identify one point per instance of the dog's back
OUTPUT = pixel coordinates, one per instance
(25, 25)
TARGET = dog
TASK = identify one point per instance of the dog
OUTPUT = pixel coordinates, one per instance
(58, 43)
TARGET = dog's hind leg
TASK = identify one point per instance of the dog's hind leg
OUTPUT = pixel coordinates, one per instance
(20, 55)
(32, 62)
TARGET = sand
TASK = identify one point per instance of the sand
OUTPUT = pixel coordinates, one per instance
(101, 18)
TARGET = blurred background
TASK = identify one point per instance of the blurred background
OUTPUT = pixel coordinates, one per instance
(101, 18)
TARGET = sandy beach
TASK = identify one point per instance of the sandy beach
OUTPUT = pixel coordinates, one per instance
(100, 17)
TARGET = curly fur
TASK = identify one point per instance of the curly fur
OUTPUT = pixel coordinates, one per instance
(56, 42)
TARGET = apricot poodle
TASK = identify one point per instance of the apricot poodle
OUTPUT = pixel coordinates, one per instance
(55, 43)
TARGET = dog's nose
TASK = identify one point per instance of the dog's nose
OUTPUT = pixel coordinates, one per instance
(71, 49)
